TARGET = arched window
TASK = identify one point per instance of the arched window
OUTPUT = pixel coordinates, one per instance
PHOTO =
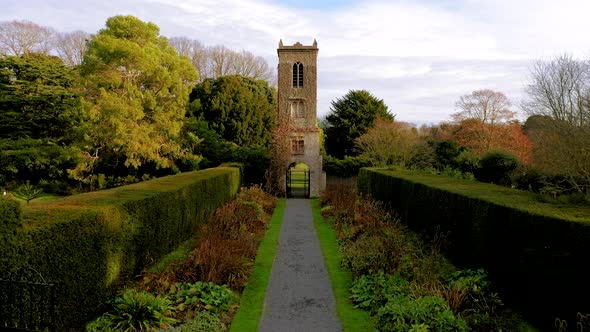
(297, 109)
(298, 75)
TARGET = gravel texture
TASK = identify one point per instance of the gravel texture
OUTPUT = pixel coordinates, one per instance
(299, 295)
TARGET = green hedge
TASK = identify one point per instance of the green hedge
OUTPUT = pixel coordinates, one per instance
(10, 220)
(90, 244)
(536, 252)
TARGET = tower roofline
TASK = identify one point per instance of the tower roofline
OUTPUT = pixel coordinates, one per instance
(297, 46)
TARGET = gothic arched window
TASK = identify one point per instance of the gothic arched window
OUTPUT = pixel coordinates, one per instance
(298, 75)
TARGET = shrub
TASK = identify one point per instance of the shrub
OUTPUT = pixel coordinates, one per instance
(140, 311)
(344, 168)
(479, 305)
(467, 162)
(402, 313)
(372, 291)
(496, 167)
(528, 178)
(255, 160)
(204, 321)
(202, 296)
(257, 195)
(446, 153)
(423, 156)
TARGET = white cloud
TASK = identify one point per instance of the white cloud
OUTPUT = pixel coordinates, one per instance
(419, 56)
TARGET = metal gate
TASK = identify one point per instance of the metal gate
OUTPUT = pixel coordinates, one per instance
(298, 183)
(27, 302)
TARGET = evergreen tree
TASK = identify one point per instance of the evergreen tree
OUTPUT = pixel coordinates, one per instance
(350, 117)
(240, 109)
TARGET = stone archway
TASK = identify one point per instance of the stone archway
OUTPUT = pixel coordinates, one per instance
(298, 180)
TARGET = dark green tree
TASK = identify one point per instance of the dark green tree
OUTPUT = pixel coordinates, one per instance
(137, 89)
(240, 109)
(350, 117)
(38, 98)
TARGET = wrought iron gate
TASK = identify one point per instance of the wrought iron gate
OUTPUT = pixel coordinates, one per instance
(27, 302)
(298, 183)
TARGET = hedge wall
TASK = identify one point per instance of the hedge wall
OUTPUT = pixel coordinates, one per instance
(90, 244)
(10, 220)
(537, 253)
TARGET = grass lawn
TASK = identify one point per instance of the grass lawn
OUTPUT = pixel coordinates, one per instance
(297, 180)
(252, 300)
(352, 319)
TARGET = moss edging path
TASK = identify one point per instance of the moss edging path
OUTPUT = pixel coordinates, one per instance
(299, 296)
(352, 319)
(252, 299)
(320, 313)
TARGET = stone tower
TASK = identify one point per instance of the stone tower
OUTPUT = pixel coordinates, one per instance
(297, 98)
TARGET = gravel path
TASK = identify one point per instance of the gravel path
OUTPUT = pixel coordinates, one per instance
(299, 295)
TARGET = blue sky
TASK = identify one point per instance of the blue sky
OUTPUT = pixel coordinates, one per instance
(418, 56)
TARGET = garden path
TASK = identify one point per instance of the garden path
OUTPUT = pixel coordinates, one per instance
(299, 296)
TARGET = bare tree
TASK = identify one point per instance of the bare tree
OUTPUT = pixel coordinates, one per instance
(488, 106)
(71, 47)
(560, 89)
(219, 60)
(558, 95)
(24, 38)
(247, 64)
(194, 50)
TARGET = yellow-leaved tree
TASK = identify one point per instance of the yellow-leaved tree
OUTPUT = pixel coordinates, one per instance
(136, 91)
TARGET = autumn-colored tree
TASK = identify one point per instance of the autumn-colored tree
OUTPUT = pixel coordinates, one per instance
(480, 138)
(137, 90)
(482, 112)
(388, 142)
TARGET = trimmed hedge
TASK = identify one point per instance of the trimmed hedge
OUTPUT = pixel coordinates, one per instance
(91, 244)
(536, 252)
(10, 220)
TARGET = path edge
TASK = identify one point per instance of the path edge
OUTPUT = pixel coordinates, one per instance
(252, 300)
(351, 318)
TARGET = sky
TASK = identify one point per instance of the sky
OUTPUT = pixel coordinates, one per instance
(418, 56)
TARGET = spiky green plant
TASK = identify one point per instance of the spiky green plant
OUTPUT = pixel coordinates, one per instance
(141, 311)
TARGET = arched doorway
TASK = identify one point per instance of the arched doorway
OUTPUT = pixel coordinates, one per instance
(298, 180)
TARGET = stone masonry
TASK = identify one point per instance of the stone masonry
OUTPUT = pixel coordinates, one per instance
(297, 98)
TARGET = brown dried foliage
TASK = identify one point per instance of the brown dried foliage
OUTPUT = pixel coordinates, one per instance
(227, 245)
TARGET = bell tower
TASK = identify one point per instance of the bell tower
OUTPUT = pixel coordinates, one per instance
(297, 99)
